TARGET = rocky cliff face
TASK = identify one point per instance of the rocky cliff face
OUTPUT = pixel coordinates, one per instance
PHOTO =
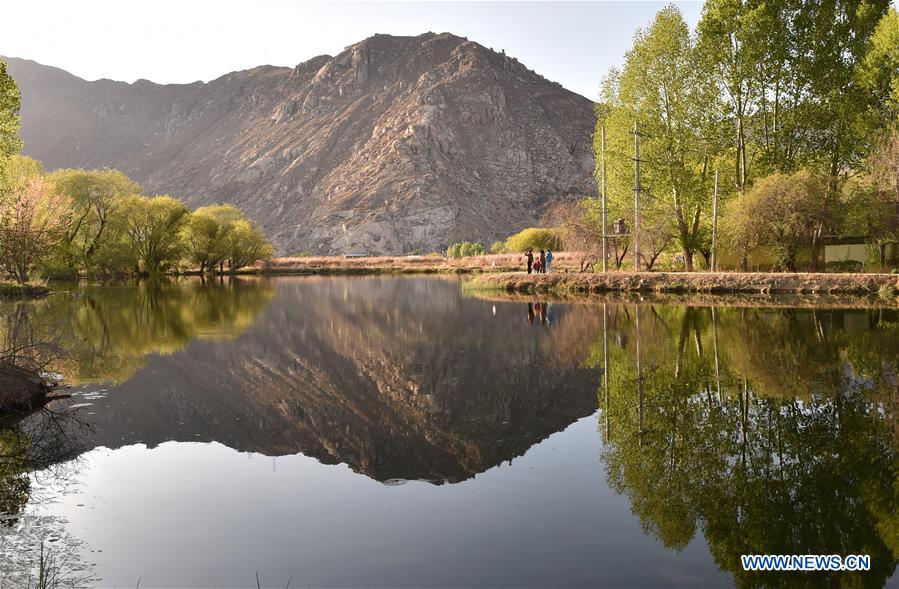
(394, 145)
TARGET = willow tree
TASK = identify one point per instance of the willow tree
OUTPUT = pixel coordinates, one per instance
(96, 197)
(663, 89)
(152, 230)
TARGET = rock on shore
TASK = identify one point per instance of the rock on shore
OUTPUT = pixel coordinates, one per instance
(20, 390)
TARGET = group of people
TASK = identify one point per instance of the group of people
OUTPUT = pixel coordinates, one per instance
(542, 264)
(542, 310)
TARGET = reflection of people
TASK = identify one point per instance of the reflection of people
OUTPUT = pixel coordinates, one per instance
(549, 312)
(543, 261)
(529, 255)
(531, 313)
(549, 261)
(542, 313)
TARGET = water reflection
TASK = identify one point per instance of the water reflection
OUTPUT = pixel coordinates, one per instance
(769, 431)
(399, 379)
(38, 462)
(105, 332)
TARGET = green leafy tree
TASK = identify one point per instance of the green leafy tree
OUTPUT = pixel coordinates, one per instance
(10, 102)
(662, 89)
(96, 197)
(732, 42)
(207, 235)
(781, 212)
(879, 71)
(535, 238)
(152, 230)
(247, 244)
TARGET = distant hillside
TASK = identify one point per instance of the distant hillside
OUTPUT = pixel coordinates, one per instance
(394, 145)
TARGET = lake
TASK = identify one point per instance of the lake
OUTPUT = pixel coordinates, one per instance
(375, 431)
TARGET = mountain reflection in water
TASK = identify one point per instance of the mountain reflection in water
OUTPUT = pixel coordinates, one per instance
(752, 430)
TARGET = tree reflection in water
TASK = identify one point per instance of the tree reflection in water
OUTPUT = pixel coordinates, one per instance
(105, 332)
(771, 431)
(90, 334)
(38, 462)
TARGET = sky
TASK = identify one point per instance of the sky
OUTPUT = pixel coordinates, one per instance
(166, 41)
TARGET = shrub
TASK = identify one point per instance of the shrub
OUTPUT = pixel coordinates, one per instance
(465, 249)
(498, 247)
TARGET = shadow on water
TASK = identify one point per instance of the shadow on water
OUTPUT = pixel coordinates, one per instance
(769, 431)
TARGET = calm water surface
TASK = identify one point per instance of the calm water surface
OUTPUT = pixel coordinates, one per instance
(398, 432)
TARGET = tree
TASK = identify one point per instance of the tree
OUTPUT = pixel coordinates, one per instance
(152, 228)
(10, 101)
(535, 238)
(247, 245)
(468, 249)
(207, 235)
(95, 197)
(879, 71)
(31, 222)
(662, 89)
(782, 212)
(873, 208)
(732, 39)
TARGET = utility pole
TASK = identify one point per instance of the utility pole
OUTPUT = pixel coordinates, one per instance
(639, 369)
(605, 367)
(715, 226)
(636, 199)
(602, 167)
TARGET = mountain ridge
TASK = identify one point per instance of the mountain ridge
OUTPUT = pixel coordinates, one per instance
(393, 145)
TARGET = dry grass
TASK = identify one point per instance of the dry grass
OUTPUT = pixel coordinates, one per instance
(562, 262)
(695, 282)
(698, 299)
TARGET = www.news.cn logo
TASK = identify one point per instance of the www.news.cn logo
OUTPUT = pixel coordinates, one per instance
(805, 562)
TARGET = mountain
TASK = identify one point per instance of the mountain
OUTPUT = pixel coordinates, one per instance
(394, 145)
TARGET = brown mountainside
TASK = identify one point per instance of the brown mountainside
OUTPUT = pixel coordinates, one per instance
(394, 145)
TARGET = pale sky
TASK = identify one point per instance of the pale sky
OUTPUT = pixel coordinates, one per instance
(573, 43)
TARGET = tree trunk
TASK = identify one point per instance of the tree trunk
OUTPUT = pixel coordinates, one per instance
(688, 260)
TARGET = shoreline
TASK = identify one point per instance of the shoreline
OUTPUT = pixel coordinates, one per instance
(11, 290)
(764, 283)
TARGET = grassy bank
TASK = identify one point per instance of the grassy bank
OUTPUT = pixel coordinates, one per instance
(13, 290)
(883, 285)
(405, 264)
(697, 299)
